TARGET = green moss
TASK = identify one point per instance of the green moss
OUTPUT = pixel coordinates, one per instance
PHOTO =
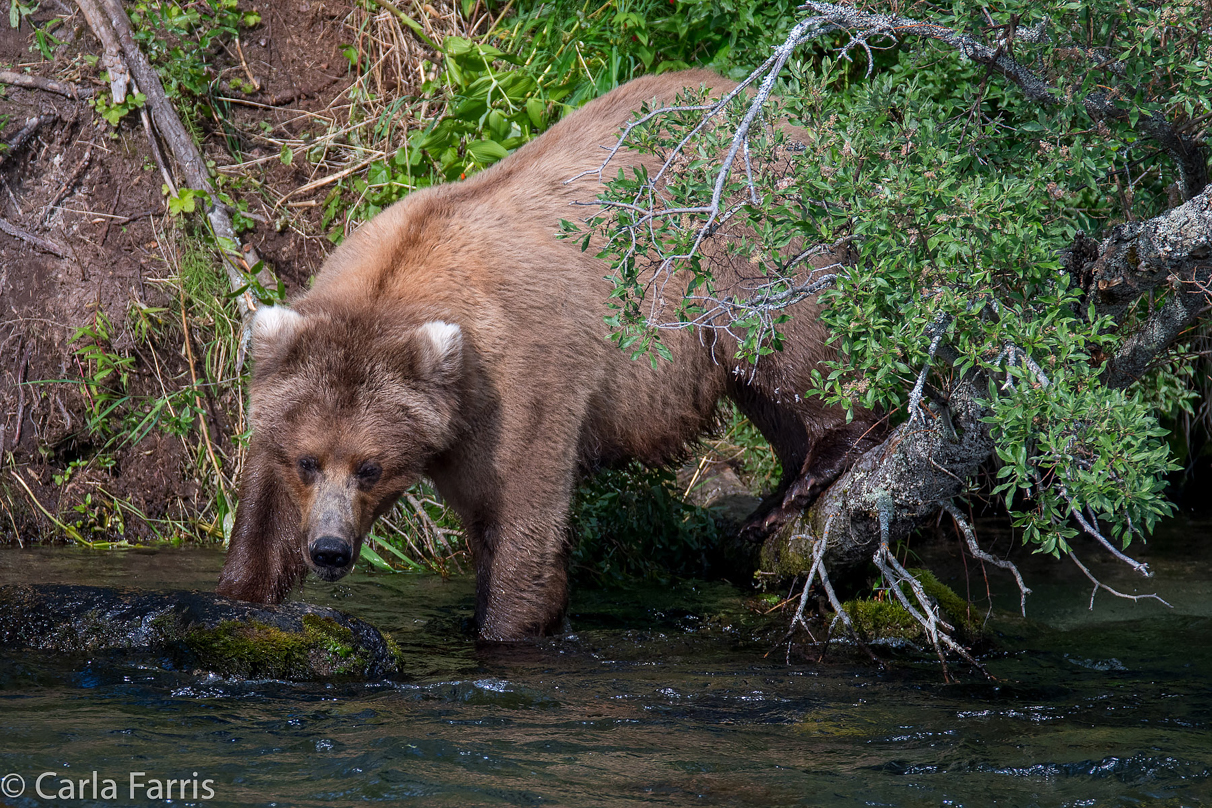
(955, 609)
(334, 648)
(251, 649)
(882, 620)
(167, 627)
(333, 637)
(393, 648)
(887, 619)
(322, 649)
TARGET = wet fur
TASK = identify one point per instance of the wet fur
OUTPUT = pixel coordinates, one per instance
(535, 393)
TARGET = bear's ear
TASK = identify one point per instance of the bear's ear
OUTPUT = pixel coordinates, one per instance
(273, 326)
(441, 347)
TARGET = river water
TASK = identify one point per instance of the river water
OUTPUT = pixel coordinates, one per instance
(662, 695)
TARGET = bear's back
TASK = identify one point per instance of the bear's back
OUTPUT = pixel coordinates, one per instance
(451, 236)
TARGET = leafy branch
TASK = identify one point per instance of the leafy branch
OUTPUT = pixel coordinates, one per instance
(950, 263)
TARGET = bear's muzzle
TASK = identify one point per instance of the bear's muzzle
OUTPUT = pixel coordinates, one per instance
(331, 556)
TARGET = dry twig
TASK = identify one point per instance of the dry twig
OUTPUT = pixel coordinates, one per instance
(24, 134)
(68, 184)
(39, 243)
(40, 83)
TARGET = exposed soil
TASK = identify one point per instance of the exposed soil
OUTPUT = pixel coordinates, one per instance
(94, 191)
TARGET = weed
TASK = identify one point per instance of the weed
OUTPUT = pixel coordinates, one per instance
(184, 200)
(18, 11)
(44, 41)
(106, 373)
(632, 523)
(181, 41)
(114, 111)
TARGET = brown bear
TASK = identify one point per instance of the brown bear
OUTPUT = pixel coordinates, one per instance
(454, 336)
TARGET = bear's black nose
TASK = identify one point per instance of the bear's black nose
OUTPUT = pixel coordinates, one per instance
(329, 551)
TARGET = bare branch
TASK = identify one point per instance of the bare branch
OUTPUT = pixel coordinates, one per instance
(40, 83)
(928, 616)
(643, 204)
(975, 549)
(1100, 585)
(936, 331)
(1093, 531)
(37, 242)
(24, 134)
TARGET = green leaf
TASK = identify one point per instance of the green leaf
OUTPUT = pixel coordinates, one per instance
(374, 559)
(534, 111)
(486, 152)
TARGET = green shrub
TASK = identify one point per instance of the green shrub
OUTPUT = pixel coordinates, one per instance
(632, 523)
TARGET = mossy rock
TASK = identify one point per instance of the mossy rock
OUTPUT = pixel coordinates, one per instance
(882, 620)
(888, 620)
(198, 631)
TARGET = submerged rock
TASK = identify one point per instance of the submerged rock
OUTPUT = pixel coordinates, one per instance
(197, 630)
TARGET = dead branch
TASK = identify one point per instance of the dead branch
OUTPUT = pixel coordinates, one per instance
(1100, 585)
(644, 203)
(1092, 530)
(926, 614)
(24, 134)
(38, 243)
(975, 549)
(840, 614)
(111, 56)
(49, 85)
(109, 21)
(21, 368)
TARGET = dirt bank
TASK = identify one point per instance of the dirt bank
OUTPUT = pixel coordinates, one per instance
(120, 379)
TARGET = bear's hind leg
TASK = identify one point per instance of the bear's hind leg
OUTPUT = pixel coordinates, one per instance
(812, 455)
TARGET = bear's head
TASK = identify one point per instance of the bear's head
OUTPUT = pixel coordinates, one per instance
(347, 408)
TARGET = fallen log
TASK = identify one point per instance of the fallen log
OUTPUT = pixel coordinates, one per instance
(65, 88)
(110, 24)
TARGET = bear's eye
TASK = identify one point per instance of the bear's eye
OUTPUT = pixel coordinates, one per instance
(368, 473)
(308, 468)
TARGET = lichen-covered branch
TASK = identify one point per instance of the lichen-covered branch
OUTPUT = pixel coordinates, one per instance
(1188, 154)
(1173, 250)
